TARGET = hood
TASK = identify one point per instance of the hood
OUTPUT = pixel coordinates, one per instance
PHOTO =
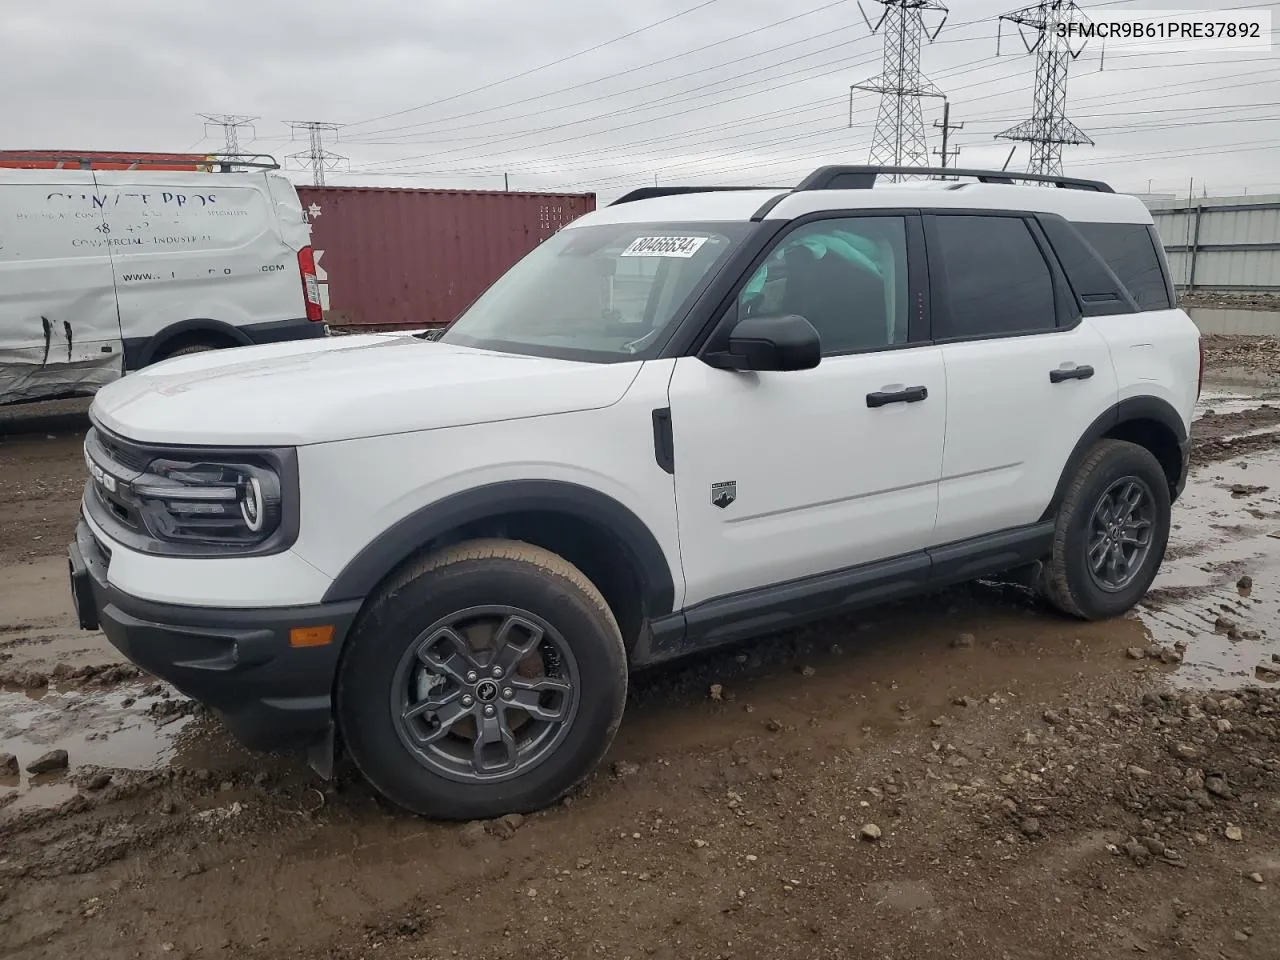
(340, 388)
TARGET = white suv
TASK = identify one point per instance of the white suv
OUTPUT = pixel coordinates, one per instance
(692, 417)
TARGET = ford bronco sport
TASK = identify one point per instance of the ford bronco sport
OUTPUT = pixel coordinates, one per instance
(694, 416)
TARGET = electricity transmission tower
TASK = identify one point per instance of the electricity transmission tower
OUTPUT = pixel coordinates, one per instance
(231, 124)
(899, 139)
(317, 157)
(1048, 130)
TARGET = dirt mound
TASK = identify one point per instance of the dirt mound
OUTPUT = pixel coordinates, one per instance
(1255, 354)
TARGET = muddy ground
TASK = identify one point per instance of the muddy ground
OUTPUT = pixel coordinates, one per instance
(968, 775)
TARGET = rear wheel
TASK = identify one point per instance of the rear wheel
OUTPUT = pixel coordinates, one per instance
(488, 679)
(187, 349)
(1111, 533)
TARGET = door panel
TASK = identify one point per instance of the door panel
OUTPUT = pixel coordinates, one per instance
(1023, 385)
(782, 475)
(1011, 429)
(821, 481)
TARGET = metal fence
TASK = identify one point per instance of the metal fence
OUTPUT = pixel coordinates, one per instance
(1221, 244)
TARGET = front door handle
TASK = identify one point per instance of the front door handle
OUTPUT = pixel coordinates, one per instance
(1070, 373)
(909, 395)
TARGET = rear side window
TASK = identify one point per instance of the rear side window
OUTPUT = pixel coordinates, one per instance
(1129, 252)
(995, 280)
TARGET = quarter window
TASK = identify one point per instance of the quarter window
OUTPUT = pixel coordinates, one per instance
(847, 277)
(1129, 252)
(995, 280)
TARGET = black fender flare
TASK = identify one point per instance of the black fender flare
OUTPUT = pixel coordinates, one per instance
(1129, 410)
(141, 351)
(396, 544)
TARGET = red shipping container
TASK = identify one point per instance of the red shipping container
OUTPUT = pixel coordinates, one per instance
(389, 256)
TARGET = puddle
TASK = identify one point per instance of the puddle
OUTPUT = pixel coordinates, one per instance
(1228, 400)
(1219, 537)
(102, 728)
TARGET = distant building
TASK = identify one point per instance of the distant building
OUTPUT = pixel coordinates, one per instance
(1227, 245)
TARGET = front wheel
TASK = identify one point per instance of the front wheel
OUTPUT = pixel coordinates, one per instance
(488, 679)
(1111, 534)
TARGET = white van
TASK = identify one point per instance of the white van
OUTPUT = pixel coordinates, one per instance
(104, 271)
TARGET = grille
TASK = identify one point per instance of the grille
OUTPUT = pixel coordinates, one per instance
(122, 508)
(122, 452)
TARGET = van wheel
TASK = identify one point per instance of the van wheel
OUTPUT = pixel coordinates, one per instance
(185, 350)
(1111, 534)
(487, 679)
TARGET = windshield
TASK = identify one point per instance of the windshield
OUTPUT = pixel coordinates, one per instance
(601, 293)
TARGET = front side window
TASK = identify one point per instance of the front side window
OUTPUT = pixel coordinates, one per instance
(995, 280)
(598, 293)
(847, 277)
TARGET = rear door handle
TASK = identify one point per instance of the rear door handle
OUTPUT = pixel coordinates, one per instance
(909, 395)
(1070, 373)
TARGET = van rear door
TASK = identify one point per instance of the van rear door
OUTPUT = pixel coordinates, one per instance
(59, 326)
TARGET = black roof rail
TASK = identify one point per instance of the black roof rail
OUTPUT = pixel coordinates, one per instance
(254, 161)
(219, 162)
(649, 193)
(864, 178)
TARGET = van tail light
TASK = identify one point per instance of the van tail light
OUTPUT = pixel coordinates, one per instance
(1200, 379)
(310, 284)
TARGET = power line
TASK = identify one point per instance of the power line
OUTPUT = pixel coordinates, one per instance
(683, 96)
(640, 159)
(539, 69)
(653, 104)
(1102, 98)
(620, 73)
(806, 162)
(716, 102)
(645, 66)
(1107, 98)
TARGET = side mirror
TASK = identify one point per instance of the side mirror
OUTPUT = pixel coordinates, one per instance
(770, 343)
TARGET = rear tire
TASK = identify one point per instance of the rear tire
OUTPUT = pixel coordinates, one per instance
(186, 350)
(486, 679)
(1111, 533)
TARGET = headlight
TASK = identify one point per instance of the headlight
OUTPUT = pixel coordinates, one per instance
(205, 502)
(192, 501)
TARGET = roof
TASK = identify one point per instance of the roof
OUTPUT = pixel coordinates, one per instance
(1083, 205)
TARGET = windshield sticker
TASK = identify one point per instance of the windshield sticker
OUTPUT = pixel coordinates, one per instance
(664, 247)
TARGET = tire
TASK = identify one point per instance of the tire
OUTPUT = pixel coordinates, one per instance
(1108, 471)
(408, 653)
(190, 348)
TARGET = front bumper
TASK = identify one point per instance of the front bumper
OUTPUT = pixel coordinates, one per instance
(271, 694)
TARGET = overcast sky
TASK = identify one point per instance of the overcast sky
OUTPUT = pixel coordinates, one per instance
(722, 93)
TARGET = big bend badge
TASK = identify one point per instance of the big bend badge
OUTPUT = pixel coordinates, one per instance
(723, 494)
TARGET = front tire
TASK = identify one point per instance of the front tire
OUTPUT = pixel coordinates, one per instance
(1111, 533)
(489, 678)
